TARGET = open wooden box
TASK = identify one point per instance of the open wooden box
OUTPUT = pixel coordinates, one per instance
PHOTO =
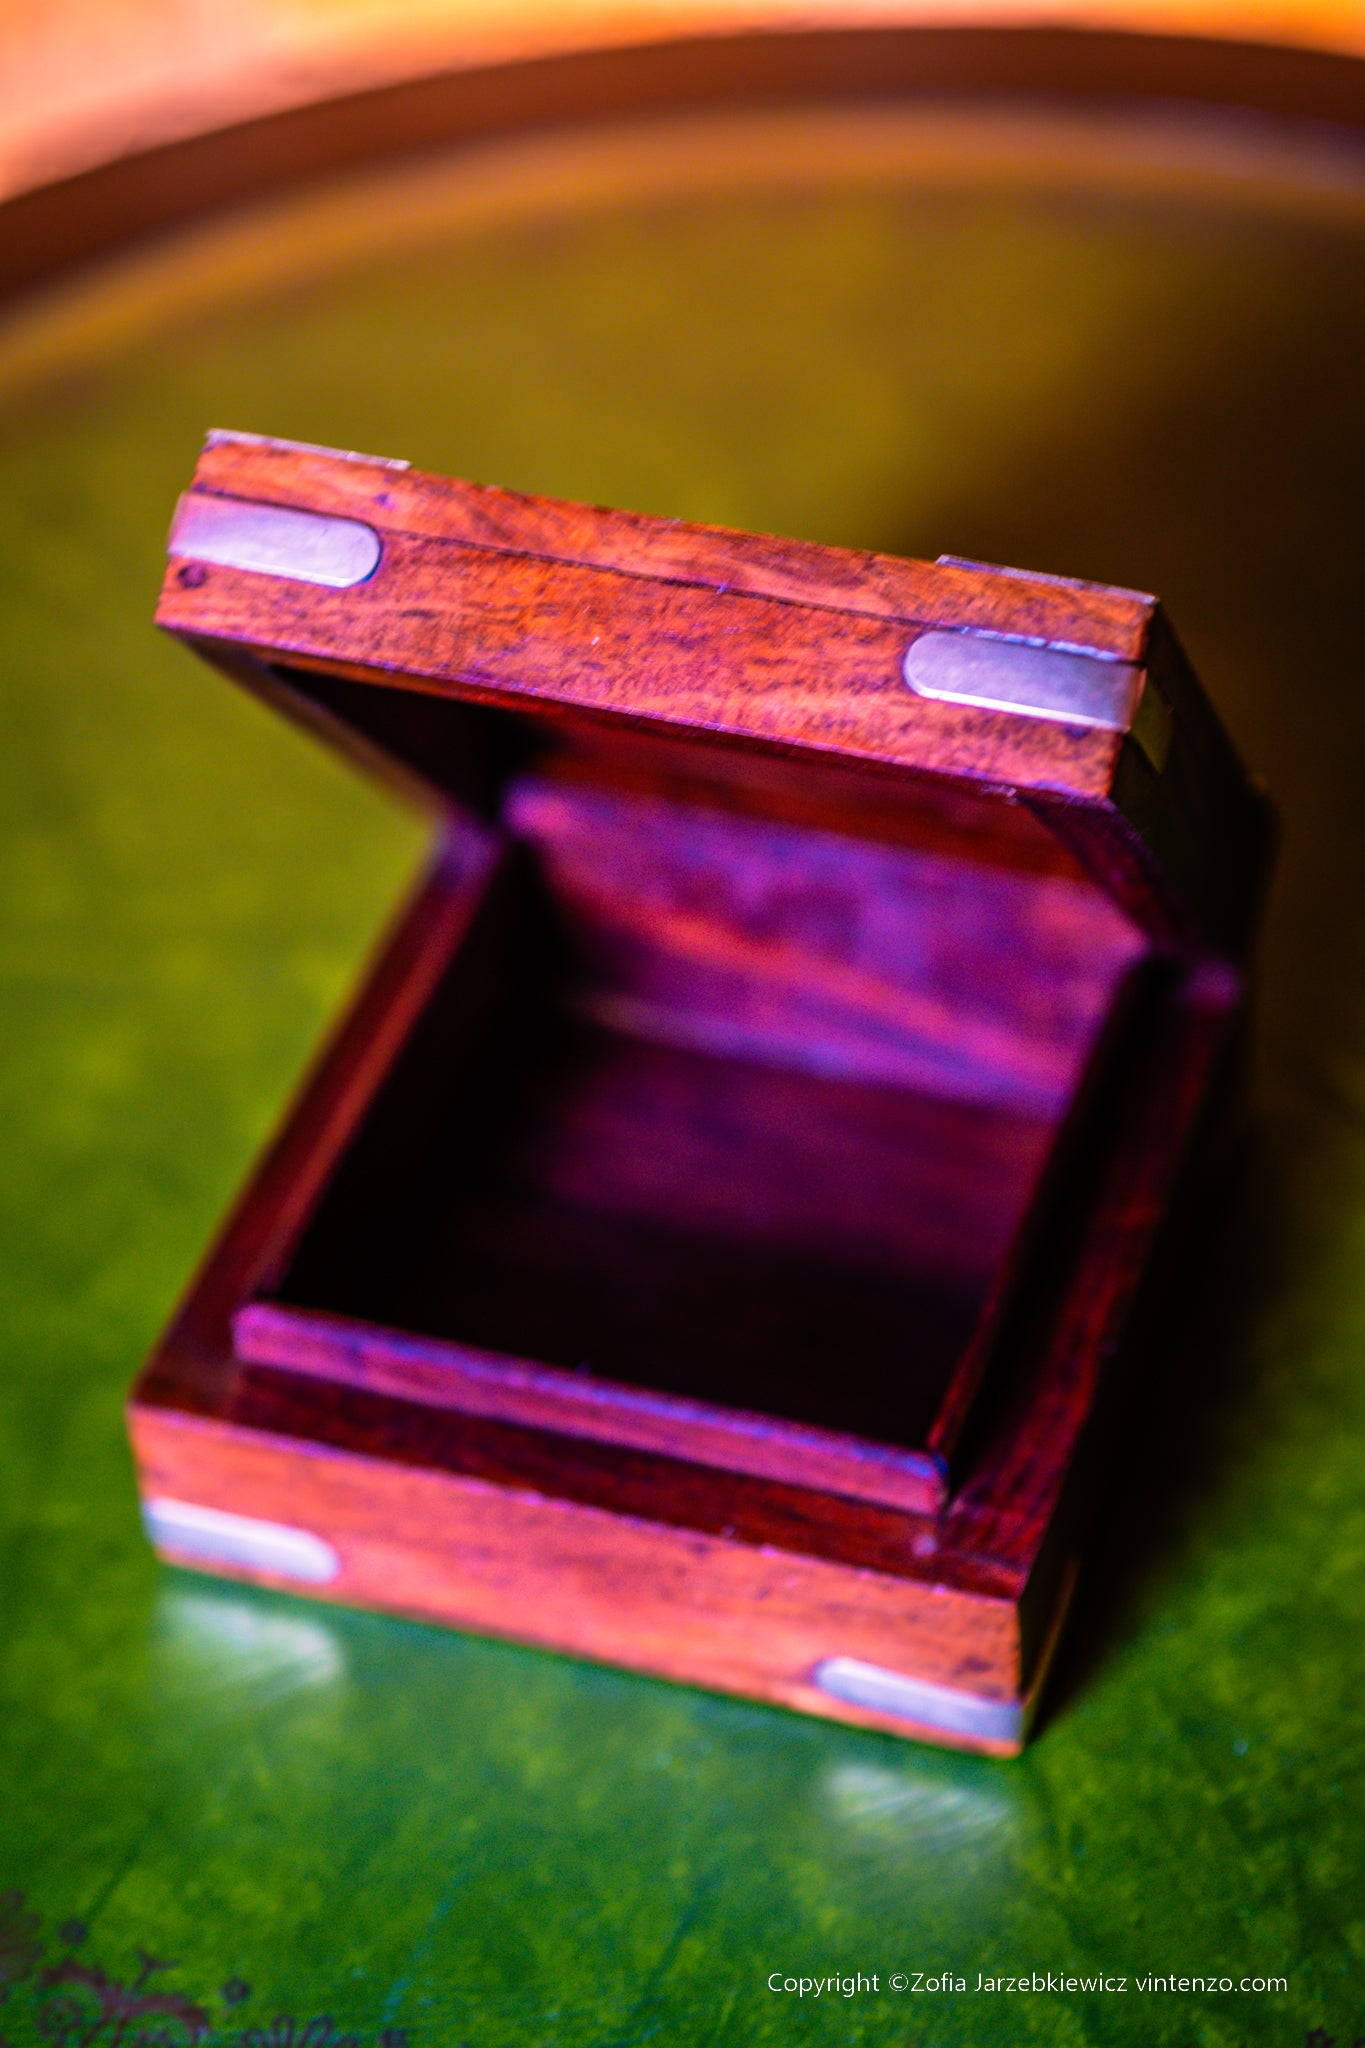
(707, 1242)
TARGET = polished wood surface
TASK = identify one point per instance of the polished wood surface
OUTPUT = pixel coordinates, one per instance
(656, 626)
(320, 1777)
(486, 1553)
(508, 626)
(410, 503)
(710, 1242)
(967, 1595)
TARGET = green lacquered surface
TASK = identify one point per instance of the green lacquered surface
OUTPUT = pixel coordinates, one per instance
(407, 1830)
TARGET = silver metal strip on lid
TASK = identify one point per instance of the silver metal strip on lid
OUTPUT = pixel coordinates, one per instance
(1018, 676)
(230, 437)
(275, 540)
(211, 1535)
(942, 1707)
(1038, 576)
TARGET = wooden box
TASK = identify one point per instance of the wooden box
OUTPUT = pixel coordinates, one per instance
(706, 1243)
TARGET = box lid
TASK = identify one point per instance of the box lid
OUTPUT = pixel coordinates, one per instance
(309, 571)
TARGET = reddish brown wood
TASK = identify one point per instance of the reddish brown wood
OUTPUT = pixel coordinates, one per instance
(706, 1243)
(775, 1153)
(204, 1422)
(616, 621)
(913, 966)
(195, 1364)
(654, 1596)
(383, 1361)
(1072, 1142)
(573, 642)
(710, 559)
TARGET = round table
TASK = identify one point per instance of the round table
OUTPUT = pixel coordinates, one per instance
(1087, 302)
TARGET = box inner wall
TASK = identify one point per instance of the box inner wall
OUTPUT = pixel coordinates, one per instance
(723, 1106)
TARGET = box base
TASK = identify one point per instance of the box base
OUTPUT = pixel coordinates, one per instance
(935, 1624)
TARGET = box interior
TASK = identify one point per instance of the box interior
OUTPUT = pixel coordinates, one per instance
(728, 1104)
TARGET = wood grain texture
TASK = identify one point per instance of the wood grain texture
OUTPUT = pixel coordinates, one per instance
(569, 642)
(206, 1422)
(708, 1242)
(647, 624)
(769, 1154)
(1087, 1279)
(819, 949)
(608, 623)
(717, 1233)
(1073, 1143)
(666, 1600)
(384, 1361)
(194, 1362)
(718, 560)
